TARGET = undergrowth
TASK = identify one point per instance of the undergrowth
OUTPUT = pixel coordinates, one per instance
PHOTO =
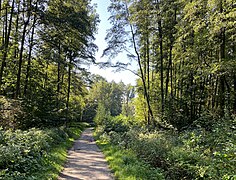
(126, 165)
(35, 153)
(190, 154)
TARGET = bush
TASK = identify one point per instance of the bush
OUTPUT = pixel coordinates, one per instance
(11, 112)
(192, 154)
(126, 165)
(116, 124)
(24, 153)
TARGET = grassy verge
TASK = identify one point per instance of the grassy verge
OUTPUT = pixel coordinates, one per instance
(126, 165)
(55, 161)
(190, 154)
(57, 157)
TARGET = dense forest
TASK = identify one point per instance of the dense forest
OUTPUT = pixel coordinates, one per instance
(181, 118)
(44, 45)
(186, 56)
(177, 122)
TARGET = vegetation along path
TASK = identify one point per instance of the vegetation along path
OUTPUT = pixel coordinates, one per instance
(86, 161)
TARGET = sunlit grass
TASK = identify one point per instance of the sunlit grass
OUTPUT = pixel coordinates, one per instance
(125, 165)
(56, 159)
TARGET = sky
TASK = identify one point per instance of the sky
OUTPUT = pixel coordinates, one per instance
(109, 73)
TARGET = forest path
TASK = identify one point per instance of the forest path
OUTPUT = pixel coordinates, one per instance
(85, 160)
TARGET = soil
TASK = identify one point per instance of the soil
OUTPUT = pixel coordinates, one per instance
(86, 161)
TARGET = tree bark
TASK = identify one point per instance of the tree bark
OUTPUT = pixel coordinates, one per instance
(6, 43)
(68, 88)
(21, 54)
(141, 70)
(59, 70)
(29, 57)
(234, 104)
(161, 67)
(221, 58)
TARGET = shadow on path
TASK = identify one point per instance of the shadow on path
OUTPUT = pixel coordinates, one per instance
(85, 161)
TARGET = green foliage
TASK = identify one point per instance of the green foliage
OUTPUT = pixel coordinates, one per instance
(22, 151)
(186, 56)
(107, 98)
(119, 124)
(192, 154)
(11, 112)
(126, 165)
(102, 115)
(44, 45)
(35, 153)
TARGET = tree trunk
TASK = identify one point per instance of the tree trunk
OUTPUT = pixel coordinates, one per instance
(141, 69)
(221, 58)
(6, 43)
(68, 89)
(161, 68)
(148, 75)
(21, 56)
(234, 103)
(59, 70)
(29, 57)
(191, 98)
(16, 31)
(169, 72)
(215, 98)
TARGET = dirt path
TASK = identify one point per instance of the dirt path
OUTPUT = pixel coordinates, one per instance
(85, 161)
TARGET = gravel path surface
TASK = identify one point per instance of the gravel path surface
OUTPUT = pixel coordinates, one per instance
(85, 160)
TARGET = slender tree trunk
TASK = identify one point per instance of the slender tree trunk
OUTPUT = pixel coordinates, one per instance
(4, 35)
(209, 99)
(169, 72)
(148, 74)
(16, 33)
(29, 57)
(191, 98)
(7, 39)
(148, 64)
(46, 77)
(140, 68)
(221, 95)
(172, 65)
(161, 68)
(201, 99)
(181, 83)
(228, 89)
(234, 103)
(222, 77)
(59, 70)
(221, 58)
(175, 80)
(68, 88)
(21, 55)
(215, 101)
(59, 76)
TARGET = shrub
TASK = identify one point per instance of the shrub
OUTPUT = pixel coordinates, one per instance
(191, 154)
(24, 153)
(11, 112)
(126, 165)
